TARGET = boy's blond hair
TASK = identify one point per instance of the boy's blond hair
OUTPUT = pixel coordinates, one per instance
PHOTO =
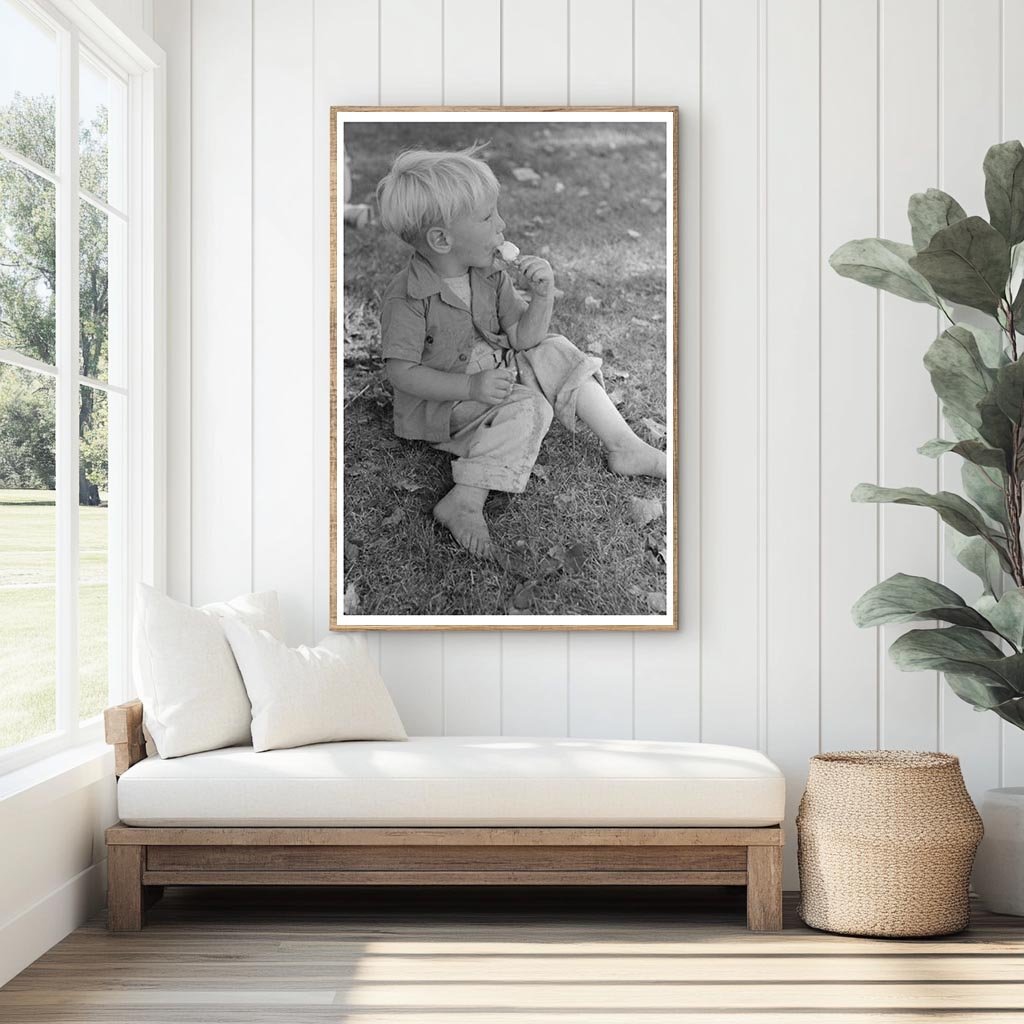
(425, 189)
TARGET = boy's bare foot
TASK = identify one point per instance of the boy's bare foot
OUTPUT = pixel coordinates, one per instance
(638, 459)
(461, 510)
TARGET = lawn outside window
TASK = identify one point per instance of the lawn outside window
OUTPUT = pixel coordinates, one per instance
(80, 441)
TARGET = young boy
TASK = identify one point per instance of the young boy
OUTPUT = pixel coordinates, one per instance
(473, 368)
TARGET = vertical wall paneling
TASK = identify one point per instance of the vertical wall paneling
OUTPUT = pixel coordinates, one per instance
(472, 684)
(730, 502)
(600, 684)
(600, 52)
(535, 58)
(535, 70)
(411, 72)
(534, 696)
(968, 125)
(344, 55)
(796, 136)
(173, 29)
(849, 368)
(221, 377)
(601, 72)
(472, 52)
(413, 666)
(909, 543)
(1012, 127)
(283, 338)
(411, 59)
(666, 666)
(472, 75)
(792, 385)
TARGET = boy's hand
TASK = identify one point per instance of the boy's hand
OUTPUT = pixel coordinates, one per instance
(538, 274)
(491, 386)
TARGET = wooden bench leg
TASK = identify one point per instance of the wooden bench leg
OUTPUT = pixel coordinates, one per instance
(764, 888)
(125, 898)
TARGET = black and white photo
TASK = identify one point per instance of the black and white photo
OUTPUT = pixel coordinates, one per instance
(504, 332)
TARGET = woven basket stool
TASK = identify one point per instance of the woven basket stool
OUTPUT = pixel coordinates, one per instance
(885, 844)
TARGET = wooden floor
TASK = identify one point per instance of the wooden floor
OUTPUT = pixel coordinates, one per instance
(217, 956)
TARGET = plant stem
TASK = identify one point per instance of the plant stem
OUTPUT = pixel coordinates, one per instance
(1012, 498)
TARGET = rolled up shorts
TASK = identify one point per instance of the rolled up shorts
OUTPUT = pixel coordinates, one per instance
(496, 446)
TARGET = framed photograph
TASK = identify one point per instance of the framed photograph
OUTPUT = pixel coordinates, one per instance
(504, 333)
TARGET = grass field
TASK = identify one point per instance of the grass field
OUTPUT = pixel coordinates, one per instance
(570, 545)
(28, 615)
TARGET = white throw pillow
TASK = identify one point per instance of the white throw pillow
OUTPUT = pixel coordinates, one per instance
(191, 690)
(309, 694)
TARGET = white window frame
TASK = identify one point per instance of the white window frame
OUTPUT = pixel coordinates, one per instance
(141, 64)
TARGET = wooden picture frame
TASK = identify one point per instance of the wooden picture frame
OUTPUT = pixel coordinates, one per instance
(613, 564)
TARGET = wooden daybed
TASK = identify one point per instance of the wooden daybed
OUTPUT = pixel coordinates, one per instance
(144, 858)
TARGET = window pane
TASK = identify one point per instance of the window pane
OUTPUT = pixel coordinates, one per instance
(93, 551)
(28, 263)
(28, 85)
(28, 546)
(101, 104)
(101, 293)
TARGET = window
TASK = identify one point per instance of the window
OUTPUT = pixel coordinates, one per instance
(78, 259)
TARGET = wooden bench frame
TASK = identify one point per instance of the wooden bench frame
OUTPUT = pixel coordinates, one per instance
(142, 860)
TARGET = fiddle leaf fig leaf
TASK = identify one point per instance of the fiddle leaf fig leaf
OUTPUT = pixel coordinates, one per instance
(929, 212)
(973, 451)
(953, 510)
(996, 428)
(959, 374)
(883, 264)
(962, 430)
(976, 555)
(967, 263)
(980, 691)
(1006, 614)
(1004, 189)
(990, 345)
(1009, 390)
(903, 598)
(984, 486)
(962, 651)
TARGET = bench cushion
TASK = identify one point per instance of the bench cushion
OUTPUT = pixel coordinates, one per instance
(459, 781)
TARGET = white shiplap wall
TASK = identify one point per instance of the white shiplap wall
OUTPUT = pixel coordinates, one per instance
(804, 123)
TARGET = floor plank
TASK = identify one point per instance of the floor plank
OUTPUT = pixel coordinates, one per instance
(495, 956)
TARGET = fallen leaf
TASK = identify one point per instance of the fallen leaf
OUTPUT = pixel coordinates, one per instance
(633, 234)
(653, 427)
(591, 302)
(394, 519)
(350, 604)
(656, 316)
(576, 556)
(409, 485)
(638, 321)
(559, 294)
(595, 348)
(656, 545)
(656, 602)
(559, 187)
(539, 471)
(643, 510)
(525, 174)
(523, 596)
(563, 500)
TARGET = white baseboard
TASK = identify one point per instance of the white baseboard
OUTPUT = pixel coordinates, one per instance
(25, 938)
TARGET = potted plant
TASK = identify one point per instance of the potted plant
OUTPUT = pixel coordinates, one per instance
(978, 374)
